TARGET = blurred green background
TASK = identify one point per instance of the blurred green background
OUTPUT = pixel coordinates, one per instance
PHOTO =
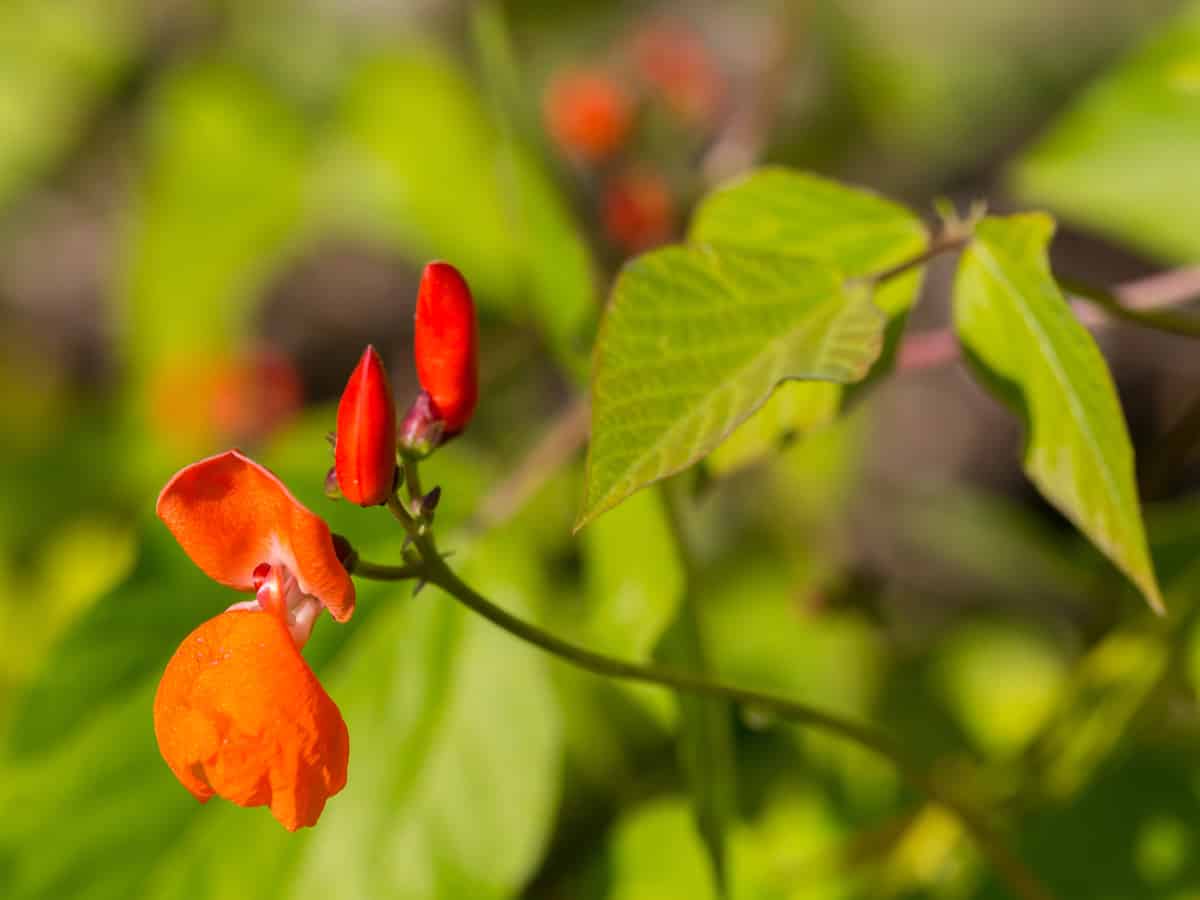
(208, 208)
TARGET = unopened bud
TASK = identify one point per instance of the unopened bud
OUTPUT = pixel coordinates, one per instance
(422, 429)
(445, 346)
(365, 450)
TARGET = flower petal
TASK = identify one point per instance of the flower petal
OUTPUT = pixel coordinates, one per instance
(240, 714)
(230, 514)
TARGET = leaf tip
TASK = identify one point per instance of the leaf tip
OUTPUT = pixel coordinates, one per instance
(1154, 598)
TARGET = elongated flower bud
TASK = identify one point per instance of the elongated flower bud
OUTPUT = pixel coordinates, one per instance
(365, 452)
(444, 344)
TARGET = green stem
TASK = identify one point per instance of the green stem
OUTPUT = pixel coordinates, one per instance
(1020, 879)
(434, 570)
(942, 243)
(376, 572)
(705, 733)
(412, 480)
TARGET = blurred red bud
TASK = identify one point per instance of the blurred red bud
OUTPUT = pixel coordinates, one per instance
(444, 343)
(364, 454)
(587, 113)
(240, 397)
(638, 210)
(671, 58)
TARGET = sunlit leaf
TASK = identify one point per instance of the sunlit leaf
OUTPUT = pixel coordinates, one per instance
(789, 852)
(456, 737)
(784, 212)
(694, 341)
(793, 409)
(634, 578)
(1122, 160)
(1002, 682)
(1034, 354)
(656, 855)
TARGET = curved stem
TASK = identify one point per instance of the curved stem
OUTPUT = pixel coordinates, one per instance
(377, 572)
(947, 241)
(1020, 879)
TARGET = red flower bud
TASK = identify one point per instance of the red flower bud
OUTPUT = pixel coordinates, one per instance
(364, 456)
(444, 343)
(638, 210)
(587, 113)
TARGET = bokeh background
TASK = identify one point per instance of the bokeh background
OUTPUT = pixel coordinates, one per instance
(208, 208)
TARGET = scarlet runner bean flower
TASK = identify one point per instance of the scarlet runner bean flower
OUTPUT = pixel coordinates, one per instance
(445, 347)
(365, 449)
(238, 712)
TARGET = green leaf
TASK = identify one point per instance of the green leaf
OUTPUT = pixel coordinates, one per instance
(795, 408)
(220, 205)
(1002, 682)
(656, 855)
(57, 61)
(457, 743)
(694, 341)
(1028, 348)
(633, 577)
(789, 213)
(783, 212)
(1122, 160)
(790, 850)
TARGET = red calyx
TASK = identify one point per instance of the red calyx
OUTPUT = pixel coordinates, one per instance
(444, 343)
(365, 451)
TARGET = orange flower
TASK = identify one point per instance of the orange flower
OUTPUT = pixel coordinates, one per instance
(238, 712)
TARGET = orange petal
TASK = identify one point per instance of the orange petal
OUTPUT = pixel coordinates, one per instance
(230, 514)
(240, 714)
